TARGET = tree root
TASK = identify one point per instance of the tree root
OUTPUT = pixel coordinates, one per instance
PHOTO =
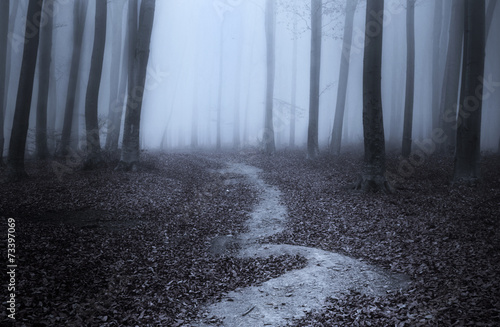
(373, 184)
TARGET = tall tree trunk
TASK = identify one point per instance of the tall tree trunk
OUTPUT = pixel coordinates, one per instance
(343, 77)
(4, 31)
(194, 118)
(312, 131)
(436, 67)
(293, 108)
(131, 128)
(219, 97)
(451, 78)
(45, 61)
(467, 155)
(80, 11)
(410, 77)
(17, 145)
(236, 118)
(118, 80)
(373, 176)
(92, 97)
(268, 137)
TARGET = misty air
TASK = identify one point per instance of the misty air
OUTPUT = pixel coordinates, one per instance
(250, 162)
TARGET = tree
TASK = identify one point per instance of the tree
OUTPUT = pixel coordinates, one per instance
(92, 97)
(293, 111)
(312, 132)
(373, 175)
(219, 97)
(45, 61)
(131, 128)
(80, 11)
(268, 137)
(451, 80)
(410, 77)
(436, 54)
(118, 83)
(467, 154)
(17, 145)
(343, 77)
(4, 31)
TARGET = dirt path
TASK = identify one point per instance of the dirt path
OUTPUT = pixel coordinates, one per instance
(295, 293)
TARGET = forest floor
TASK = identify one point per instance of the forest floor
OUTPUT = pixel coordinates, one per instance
(108, 248)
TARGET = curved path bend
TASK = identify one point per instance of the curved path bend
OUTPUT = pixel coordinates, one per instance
(279, 300)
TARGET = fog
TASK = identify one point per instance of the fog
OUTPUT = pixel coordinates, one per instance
(199, 46)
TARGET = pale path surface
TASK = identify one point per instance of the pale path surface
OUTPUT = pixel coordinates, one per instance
(295, 293)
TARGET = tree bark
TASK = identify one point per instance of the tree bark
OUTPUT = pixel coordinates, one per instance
(131, 128)
(467, 154)
(343, 77)
(293, 109)
(436, 67)
(4, 31)
(451, 78)
(373, 175)
(17, 145)
(80, 11)
(118, 80)
(410, 78)
(312, 132)
(219, 98)
(45, 61)
(92, 97)
(268, 137)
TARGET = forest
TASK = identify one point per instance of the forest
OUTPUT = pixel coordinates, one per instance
(250, 162)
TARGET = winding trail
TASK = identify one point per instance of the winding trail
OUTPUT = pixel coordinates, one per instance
(279, 300)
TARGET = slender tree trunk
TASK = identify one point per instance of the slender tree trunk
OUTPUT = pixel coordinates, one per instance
(293, 108)
(467, 155)
(236, 118)
(410, 77)
(312, 132)
(219, 98)
(45, 61)
(343, 77)
(4, 31)
(373, 176)
(268, 137)
(436, 67)
(17, 145)
(131, 128)
(118, 76)
(451, 79)
(80, 11)
(92, 97)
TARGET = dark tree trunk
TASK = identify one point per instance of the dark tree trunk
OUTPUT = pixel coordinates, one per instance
(4, 31)
(436, 67)
(45, 61)
(80, 11)
(451, 78)
(410, 77)
(236, 118)
(194, 119)
(92, 97)
(343, 77)
(131, 128)
(118, 80)
(17, 145)
(268, 137)
(373, 176)
(312, 131)
(467, 154)
(293, 108)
